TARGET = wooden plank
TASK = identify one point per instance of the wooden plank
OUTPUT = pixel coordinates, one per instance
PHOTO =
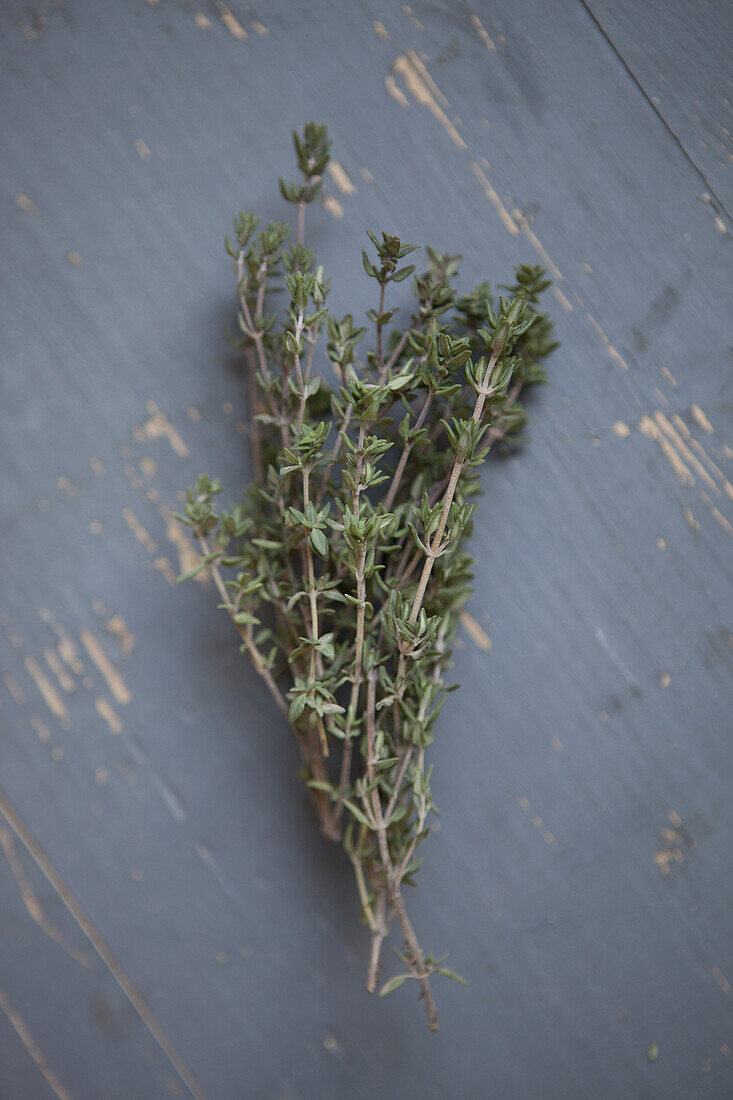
(680, 55)
(79, 1033)
(584, 771)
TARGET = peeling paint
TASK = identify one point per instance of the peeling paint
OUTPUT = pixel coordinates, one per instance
(476, 632)
(395, 91)
(141, 534)
(112, 676)
(23, 1032)
(333, 206)
(509, 224)
(158, 426)
(422, 87)
(110, 715)
(30, 901)
(701, 419)
(54, 663)
(48, 692)
(230, 21)
(341, 178)
(649, 428)
(483, 34)
(188, 555)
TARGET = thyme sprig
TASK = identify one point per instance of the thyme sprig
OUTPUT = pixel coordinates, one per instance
(344, 568)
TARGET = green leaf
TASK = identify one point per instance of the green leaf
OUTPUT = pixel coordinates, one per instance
(358, 814)
(403, 273)
(392, 984)
(192, 573)
(319, 543)
(243, 618)
(452, 975)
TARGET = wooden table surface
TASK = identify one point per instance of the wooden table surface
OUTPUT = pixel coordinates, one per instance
(171, 922)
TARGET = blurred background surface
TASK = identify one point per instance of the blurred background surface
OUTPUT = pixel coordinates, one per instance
(171, 922)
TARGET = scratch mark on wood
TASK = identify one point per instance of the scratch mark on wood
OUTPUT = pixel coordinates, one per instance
(260, 28)
(230, 21)
(65, 486)
(698, 447)
(380, 30)
(148, 466)
(110, 715)
(566, 305)
(113, 677)
(716, 513)
(617, 359)
(421, 85)
(141, 149)
(333, 206)
(207, 858)
(649, 428)
(48, 692)
(483, 34)
(476, 632)
(40, 728)
(31, 902)
(701, 419)
(164, 566)
(188, 555)
(395, 91)
(140, 533)
(341, 178)
(23, 1032)
(507, 221)
(26, 204)
(54, 663)
(616, 660)
(68, 651)
(170, 798)
(412, 17)
(537, 822)
(523, 223)
(665, 857)
(158, 426)
(15, 689)
(623, 431)
(721, 979)
(117, 626)
(26, 837)
(685, 452)
(202, 22)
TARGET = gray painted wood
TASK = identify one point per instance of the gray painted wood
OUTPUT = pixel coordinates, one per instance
(588, 751)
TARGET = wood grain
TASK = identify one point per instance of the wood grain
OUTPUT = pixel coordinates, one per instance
(581, 876)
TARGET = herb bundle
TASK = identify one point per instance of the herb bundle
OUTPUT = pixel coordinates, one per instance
(344, 568)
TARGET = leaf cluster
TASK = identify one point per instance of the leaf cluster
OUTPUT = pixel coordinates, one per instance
(345, 565)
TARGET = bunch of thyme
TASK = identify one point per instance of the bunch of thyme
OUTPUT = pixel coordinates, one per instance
(344, 567)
